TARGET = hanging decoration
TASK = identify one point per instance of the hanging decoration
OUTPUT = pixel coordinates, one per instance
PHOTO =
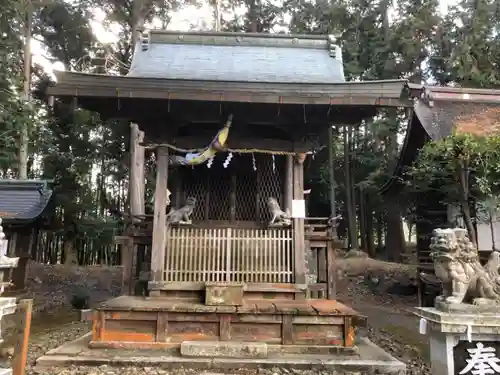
(254, 164)
(210, 162)
(228, 160)
(217, 145)
(274, 165)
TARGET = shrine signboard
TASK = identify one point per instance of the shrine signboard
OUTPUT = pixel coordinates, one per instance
(476, 358)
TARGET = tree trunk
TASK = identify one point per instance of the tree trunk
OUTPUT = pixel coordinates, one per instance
(23, 138)
(463, 176)
(395, 234)
(70, 256)
(410, 231)
(217, 14)
(492, 231)
(380, 231)
(362, 219)
(253, 16)
(370, 245)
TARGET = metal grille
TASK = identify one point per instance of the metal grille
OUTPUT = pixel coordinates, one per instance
(219, 189)
(194, 184)
(269, 183)
(246, 192)
(213, 187)
(227, 254)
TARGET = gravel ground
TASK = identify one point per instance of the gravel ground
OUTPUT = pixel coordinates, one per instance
(364, 285)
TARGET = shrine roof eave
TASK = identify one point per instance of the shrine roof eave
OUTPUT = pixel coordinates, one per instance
(386, 93)
(23, 201)
(453, 94)
(438, 112)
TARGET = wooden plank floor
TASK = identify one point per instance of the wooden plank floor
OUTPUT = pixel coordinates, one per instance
(312, 307)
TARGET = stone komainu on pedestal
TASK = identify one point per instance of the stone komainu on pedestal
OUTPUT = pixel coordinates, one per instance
(456, 263)
(463, 333)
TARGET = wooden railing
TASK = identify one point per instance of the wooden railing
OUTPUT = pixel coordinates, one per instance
(320, 258)
(229, 254)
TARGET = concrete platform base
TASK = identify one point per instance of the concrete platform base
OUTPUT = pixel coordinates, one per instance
(224, 349)
(370, 359)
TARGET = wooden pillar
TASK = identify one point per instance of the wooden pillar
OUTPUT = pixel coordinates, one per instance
(22, 249)
(257, 195)
(127, 261)
(160, 216)
(136, 178)
(331, 272)
(137, 198)
(11, 251)
(331, 175)
(35, 255)
(298, 225)
(288, 183)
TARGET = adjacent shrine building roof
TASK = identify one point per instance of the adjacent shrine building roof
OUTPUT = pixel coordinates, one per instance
(23, 200)
(440, 111)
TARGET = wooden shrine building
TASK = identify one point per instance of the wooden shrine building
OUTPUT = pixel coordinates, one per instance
(223, 272)
(24, 208)
(439, 111)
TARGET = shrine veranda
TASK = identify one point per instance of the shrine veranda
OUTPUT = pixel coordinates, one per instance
(228, 276)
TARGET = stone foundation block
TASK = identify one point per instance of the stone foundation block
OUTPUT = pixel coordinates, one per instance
(224, 349)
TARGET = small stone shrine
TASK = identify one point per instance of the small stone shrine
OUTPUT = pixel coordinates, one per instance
(7, 304)
(464, 324)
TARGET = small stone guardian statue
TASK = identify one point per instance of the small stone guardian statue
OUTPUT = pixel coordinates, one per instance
(279, 218)
(183, 214)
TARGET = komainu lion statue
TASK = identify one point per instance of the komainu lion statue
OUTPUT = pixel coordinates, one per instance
(278, 216)
(456, 263)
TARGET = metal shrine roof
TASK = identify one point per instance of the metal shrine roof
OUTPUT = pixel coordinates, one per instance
(237, 57)
(232, 67)
(23, 200)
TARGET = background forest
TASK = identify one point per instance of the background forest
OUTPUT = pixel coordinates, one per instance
(88, 161)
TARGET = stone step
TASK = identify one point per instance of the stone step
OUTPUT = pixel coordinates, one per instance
(227, 349)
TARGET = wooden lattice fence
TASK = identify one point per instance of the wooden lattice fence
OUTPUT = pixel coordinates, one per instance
(229, 254)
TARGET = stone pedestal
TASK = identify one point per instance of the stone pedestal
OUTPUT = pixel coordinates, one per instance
(7, 306)
(455, 336)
